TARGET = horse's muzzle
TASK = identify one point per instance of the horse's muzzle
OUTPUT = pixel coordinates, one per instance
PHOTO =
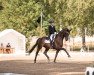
(66, 39)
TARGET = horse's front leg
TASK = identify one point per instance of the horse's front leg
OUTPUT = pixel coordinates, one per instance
(65, 51)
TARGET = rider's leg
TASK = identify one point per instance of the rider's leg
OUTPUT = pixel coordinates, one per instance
(51, 39)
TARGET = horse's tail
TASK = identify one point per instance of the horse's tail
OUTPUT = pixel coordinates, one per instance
(33, 47)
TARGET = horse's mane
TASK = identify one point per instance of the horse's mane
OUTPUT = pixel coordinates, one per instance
(63, 30)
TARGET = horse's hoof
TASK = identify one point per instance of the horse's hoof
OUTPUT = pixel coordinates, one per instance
(54, 61)
(27, 54)
(69, 56)
(34, 61)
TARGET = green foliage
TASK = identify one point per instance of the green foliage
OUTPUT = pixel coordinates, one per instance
(19, 15)
(22, 15)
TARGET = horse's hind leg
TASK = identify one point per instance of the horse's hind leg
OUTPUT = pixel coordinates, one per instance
(38, 49)
(56, 55)
(45, 53)
(36, 55)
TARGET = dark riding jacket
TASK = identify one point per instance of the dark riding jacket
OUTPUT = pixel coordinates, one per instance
(51, 29)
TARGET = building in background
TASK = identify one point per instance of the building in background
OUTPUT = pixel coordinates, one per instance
(16, 40)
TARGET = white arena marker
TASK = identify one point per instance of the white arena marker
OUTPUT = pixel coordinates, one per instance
(11, 74)
(89, 71)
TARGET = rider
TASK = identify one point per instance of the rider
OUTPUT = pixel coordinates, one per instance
(52, 30)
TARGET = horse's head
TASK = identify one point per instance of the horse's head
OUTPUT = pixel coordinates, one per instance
(65, 33)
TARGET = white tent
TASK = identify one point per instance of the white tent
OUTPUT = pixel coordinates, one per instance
(16, 40)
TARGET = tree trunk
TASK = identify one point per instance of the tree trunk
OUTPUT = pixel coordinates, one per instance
(83, 39)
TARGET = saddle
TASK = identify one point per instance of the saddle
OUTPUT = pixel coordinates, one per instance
(50, 39)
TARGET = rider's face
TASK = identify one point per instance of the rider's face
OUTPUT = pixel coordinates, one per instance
(52, 24)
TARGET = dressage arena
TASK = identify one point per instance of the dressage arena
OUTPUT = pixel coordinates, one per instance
(22, 64)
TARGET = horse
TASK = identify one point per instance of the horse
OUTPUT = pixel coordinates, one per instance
(57, 44)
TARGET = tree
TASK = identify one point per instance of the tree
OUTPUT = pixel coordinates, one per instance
(20, 15)
(23, 15)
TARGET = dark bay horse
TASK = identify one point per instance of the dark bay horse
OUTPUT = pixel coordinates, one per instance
(57, 45)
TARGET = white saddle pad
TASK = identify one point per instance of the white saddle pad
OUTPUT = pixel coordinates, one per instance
(47, 41)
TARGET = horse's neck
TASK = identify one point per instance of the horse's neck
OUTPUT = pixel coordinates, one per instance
(59, 36)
